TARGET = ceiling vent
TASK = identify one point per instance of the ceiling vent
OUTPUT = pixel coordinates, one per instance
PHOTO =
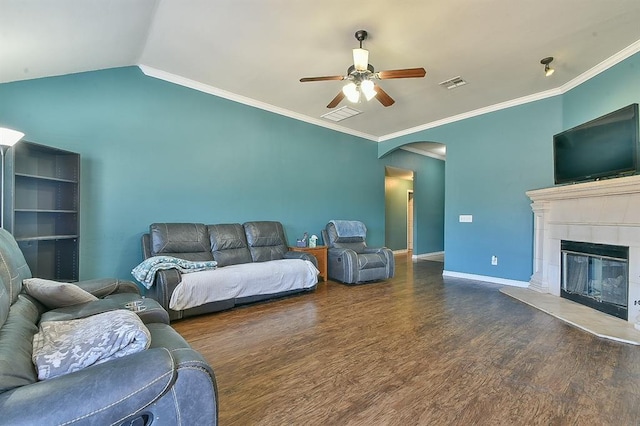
(452, 83)
(341, 114)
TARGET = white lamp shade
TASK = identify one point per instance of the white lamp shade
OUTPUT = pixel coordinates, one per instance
(367, 88)
(9, 137)
(548, 71)
(351, 92)
(360, 59)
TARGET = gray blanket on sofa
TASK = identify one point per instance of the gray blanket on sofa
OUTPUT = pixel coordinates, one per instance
(62, 347)
(145, 272)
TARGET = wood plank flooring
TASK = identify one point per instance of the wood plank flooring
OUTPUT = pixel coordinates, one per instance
(419, 349)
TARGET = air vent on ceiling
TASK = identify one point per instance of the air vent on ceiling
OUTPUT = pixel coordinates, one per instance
(341, 114)
(452, 83)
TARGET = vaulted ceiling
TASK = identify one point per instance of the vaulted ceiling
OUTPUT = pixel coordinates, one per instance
(255, 51)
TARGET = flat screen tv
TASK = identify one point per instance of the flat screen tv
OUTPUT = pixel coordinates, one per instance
(602, 148)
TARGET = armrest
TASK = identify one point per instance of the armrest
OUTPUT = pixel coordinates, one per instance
(301, 255)
(342, 264)
(165, 281)
(101, 394)
(163, 286)
(102, 287)
(388, 255)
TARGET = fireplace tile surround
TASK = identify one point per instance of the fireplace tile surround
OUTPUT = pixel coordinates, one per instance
(603, 212)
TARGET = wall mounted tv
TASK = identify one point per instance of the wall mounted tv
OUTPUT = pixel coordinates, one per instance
(606, 147)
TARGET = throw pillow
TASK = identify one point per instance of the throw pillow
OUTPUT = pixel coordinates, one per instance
(54, 294)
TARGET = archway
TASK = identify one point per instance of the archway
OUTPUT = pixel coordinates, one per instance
(416, 180)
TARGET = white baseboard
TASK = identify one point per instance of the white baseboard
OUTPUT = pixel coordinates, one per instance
(494, 280)
(427, 256)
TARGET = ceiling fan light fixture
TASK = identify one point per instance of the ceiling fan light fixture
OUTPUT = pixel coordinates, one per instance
(360, 59)
(360, 78)
(367, 89)
(547, 68)
(351, 91)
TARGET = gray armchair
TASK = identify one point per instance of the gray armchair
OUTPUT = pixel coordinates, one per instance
(350, 261)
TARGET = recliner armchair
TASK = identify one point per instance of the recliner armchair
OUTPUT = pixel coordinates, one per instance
(350, 261)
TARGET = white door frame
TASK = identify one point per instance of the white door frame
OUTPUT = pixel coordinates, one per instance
(410, 219)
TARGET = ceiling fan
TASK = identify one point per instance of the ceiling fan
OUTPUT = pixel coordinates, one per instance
(361, 75)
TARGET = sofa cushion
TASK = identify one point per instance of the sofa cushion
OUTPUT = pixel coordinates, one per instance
(16, 336)
(5, 303)
(13, 266)
(229, 244)
(352, 235)
(189, 241)
(266, 240)
(54, 294)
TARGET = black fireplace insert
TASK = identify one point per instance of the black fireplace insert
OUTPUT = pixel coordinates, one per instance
(596, 275)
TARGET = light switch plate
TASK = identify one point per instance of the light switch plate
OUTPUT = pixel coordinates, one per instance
(466, 218)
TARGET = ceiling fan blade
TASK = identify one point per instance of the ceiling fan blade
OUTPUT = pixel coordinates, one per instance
(406, 73)
(383, 97)
(333, 77)
(334, 103)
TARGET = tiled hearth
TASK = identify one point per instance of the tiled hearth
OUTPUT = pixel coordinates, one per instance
(603, 212)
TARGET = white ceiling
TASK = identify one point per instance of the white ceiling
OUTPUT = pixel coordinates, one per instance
(255, 51)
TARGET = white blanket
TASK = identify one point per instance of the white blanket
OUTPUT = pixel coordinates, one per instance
(247, 279)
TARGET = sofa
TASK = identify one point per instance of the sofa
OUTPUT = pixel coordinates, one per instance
(350, 260)
(254, 263)
(166, 383)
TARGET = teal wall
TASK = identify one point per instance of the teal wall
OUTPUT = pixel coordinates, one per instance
(157, 152)
(494, 158)
(154, 151)
(619, 86)
(396, 191)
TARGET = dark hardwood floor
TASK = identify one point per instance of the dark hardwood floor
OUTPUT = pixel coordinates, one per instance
(414, 350)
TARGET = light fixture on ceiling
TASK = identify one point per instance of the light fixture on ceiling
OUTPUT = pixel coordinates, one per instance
(361, 76)
(360, 86)
(360, 72)
(360, 55)
(547, 68)
(8, 138)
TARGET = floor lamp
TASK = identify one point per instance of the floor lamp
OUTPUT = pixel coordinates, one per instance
(8, 138)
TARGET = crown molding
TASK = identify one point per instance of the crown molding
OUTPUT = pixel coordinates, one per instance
(585, 76)
(425, 153)
(474, 113)
(201, 87)
(625, 53)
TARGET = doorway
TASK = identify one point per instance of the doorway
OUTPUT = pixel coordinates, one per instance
(410, 220)
(399, 216)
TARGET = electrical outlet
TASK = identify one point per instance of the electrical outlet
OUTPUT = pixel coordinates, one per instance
(494, 260)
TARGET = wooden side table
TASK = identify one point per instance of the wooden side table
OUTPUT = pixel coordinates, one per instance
(320, 252)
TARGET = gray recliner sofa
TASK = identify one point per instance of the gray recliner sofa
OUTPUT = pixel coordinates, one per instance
(168, 383)
(234, 247)
(350, 261)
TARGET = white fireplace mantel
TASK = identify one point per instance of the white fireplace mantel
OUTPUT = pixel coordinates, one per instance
(603, 212)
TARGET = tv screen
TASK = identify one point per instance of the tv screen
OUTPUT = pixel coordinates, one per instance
(601, 148)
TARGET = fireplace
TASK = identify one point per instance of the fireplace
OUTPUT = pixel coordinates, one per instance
(601, 212)
(595, 275)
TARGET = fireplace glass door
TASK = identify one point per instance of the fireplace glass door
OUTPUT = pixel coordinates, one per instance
(596, 276)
